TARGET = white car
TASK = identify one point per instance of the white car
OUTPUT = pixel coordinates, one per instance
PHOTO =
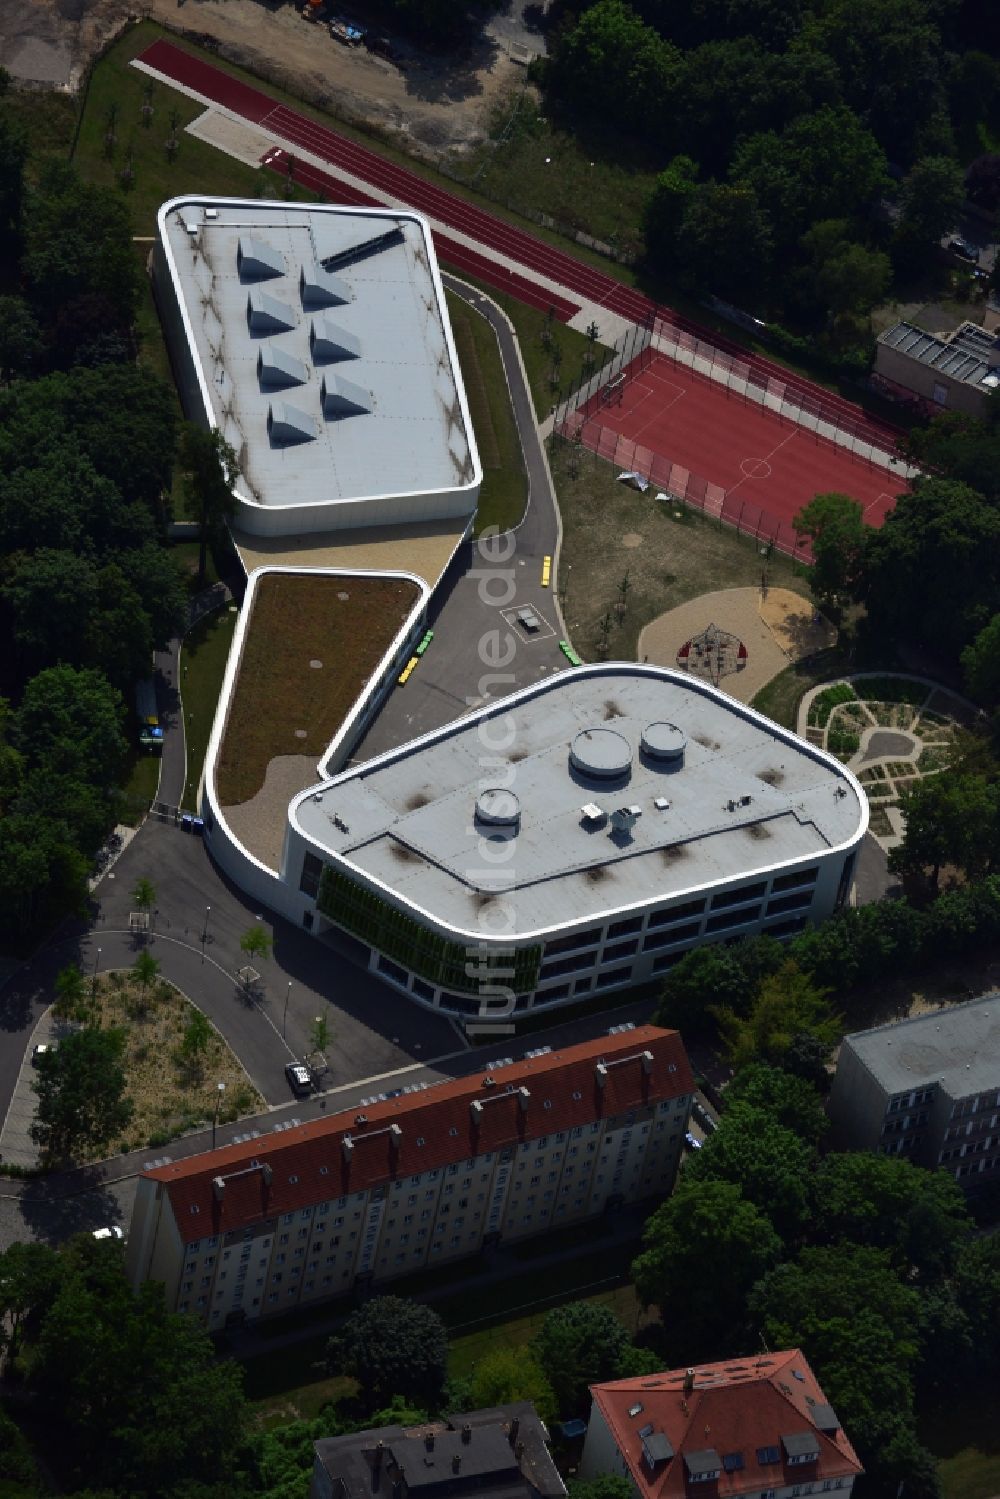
(112, 1232)
(43, 1049)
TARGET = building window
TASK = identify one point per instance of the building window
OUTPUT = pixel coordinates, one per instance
(421, 989)
(671, 936)
(625, 928)
(790, 903)
(576, 939)
(738, 897)
(793, 880)
(732, 918)
(614, 976)
(677, 913)
(392, 970)
(620, 950)
(312, 869)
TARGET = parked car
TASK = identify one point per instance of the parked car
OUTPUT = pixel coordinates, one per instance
(299, 1078)
(111, 1232)
(962, 248)
(691, 1141)
(43, 1049)
(343, 31)
(701, 1116)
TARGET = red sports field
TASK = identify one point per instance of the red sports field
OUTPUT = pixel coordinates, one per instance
(732, 458)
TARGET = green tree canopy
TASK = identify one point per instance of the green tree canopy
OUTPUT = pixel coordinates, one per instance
(78, 242)
(790, 1100)
(949, 819)
(919, 1217)
(769, 1164)
(703, 1250)
(579, 1344)
(835, 525)
(507, 1375)
(716, 976)
(210, 471)
(726, 242)
(392, 1347)
(981, 664)
(787, 1004)
(930, 200)
(72, 721)
(81, 1094)
(611, 65)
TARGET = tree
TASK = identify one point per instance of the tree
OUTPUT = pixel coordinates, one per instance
(918, 1217)
(144, 969)
(982, 182)
(605, 1486)
(976, 1282)
(319, 1035)
(725, 243)
(932, 571)
(613, 66)
(81, 1094)
(255, 942)
(664, 211)
(790, 1100)
(29, 1275)
(824, 165)
(210, 471)
(703, 1250)
(72, 721)
(715, 977)
(392, 1347)
(787, 1004)
(949, 819)
(51, 596)
(197, 1035)
(509, 1374)
(769, 1164)
(853, 280)
(21, 346)
(834, 523)
(69, 987)
(929, 204)
(78, 240)
(579, 1344)
(981, 664)
(144, 894)
(13, 156)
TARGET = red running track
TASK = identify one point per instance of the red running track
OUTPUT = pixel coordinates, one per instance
(753, 455)
(459, 256)
(253, 104)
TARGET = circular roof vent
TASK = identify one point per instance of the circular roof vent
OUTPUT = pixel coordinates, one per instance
(663, 741)
(603, 753)
(498, 807)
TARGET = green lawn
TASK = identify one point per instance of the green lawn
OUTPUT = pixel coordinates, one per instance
(203, 663)
(140, 783)
(505, 486)
(780, 698)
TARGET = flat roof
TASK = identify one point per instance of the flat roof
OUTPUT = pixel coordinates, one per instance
(971, 354)
(958, 1047)
(710, 793)
(323, 348)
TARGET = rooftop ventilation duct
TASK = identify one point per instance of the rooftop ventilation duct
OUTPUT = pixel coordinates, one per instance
(277, 370)
(258, 261)
(288, 425)
(602, 753)
(663, 742)
(342, 397)
(499, 808)
(330, 344)
(267, 314)
(319, 288)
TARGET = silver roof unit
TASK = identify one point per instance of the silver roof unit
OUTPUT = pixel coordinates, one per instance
(319, 288)
(497, 807)
(258, 261)
(342, 397)
(277, 370)
(602, 753)
(288, 425)
(267, 314)
(330, 343)
(663, 742)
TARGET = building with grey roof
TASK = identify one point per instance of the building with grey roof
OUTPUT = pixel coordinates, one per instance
(927, 1088)
(576, 837)
(317, 340)
(501, 1453)
(957, 371)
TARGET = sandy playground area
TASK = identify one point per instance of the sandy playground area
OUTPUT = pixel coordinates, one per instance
(775, 630)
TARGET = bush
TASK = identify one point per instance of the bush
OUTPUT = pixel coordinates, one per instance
(824, 703)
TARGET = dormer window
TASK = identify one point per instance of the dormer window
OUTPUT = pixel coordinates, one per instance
(801, 1448)
(704, 1466)
(732, 1461)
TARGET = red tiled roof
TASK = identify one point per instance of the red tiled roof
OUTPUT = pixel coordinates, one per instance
(309, 1164)
(742, 1405)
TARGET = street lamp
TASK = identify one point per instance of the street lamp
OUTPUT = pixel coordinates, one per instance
(221, 1088)
(284, 1018)
(97, 964)
(204, 935)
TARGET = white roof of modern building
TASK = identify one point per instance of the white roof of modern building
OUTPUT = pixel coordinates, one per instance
(710, 793)
(970, 354)
(957, 1047)
(322, 347)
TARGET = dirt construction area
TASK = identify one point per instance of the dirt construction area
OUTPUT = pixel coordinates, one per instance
(437, 102)
(735, 638)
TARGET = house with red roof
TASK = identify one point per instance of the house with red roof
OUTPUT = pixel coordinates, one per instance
(745, 1428)
(306, 1213)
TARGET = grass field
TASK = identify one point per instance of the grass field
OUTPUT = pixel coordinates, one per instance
(203, 664)
(347, 625)
(504, 489)
(610, 531)
(171, 1095)
(139, 784)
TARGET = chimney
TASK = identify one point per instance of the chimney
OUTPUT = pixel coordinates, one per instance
(522, 1097)
(347, 1146)
(647, 1062)
(601, 1074)
(689, 1381)
(513, 1429)
(395, 1136)
(429, 1441)
(218, 1187)
(456, 1463)
(466, 1433)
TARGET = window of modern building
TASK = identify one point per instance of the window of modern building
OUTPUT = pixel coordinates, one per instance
(620, 950)
(670, 936)
(557, 991)
(790, 903)
(421, 989)
(392, 970)
(576, 939)
(795, 878)
(677, 913)
(786, 928)
(738, 897)
(614, 976)
(312, 870)
(566, 965)
(732, 918)
(626, 927)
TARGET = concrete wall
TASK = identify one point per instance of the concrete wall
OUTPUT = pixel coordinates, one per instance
(376, 510)
(857, 1103)
(922, 378)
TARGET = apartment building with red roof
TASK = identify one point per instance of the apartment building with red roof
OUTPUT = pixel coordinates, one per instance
(301, 1215)
(745, 1428)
